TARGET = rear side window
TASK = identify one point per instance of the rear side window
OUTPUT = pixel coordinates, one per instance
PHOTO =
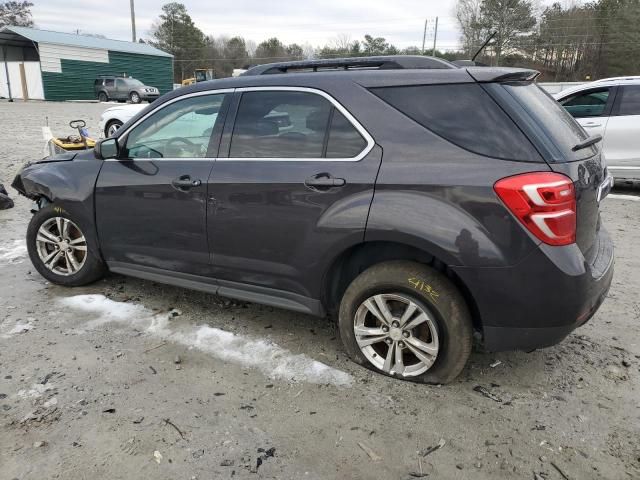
(630, 101)
(344, 140)
(586, 104)
(465, 115)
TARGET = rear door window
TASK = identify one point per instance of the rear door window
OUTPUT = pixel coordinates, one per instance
(280, 124)
(109, 82)
(592, 103)
(465, 115)
(630, 100)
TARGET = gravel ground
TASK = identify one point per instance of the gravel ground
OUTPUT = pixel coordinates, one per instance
(145, 381)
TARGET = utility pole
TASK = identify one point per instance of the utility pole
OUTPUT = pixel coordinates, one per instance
(424, 35)
(133, 21)
(435, 37)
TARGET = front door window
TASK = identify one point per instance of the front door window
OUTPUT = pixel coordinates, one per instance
(180, 130)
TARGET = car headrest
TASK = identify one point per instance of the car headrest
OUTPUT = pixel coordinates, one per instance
(317, 121)
(258, 128)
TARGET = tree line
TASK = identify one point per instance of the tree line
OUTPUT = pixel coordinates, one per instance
(565, 42)
(176, 33)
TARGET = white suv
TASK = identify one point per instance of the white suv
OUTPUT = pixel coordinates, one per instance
(610, 107)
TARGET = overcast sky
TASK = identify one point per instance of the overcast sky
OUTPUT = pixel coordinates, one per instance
(314, 22)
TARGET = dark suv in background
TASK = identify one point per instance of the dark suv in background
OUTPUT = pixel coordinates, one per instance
(113, 87)
(416, 201)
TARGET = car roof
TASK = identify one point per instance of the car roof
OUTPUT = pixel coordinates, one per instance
(603, 82)
(368, 78)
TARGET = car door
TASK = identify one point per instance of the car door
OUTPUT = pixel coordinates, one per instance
(293, 184)
(122, 89)
(110, 88)
(151, 201)
(591, 108)
(622, 140)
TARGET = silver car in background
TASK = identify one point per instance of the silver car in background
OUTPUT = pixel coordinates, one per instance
(610, 107)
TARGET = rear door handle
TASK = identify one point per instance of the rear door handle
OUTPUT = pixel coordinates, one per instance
(592, 125)
(324, 181)
(184, 182)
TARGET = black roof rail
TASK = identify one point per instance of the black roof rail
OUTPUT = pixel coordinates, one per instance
(387, 62)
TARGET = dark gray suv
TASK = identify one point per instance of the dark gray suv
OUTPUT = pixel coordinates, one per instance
(418, 202)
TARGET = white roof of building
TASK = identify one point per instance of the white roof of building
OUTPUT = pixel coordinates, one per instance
(86, 41)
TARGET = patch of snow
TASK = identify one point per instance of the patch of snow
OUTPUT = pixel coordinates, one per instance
(107, 310)
(273, 360)
(617, 196)
(36, 390)
(17, 328)
(13, 252)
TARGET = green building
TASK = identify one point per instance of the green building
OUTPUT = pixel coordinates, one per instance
(43, 65)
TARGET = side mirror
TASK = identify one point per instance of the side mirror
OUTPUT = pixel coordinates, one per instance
(107, 148)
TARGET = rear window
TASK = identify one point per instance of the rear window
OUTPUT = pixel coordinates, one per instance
(555, 122)
(465, 115)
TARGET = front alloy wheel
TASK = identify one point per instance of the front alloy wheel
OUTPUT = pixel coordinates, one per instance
(61, 246)
(135, 97)
(396, 335)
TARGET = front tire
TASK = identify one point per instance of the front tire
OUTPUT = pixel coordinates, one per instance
(408, 321)
(135, 97)
(63, 249)
(111, 128)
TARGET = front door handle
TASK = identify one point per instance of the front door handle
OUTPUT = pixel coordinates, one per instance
(184, 182)
(592, 125)
(324, 181)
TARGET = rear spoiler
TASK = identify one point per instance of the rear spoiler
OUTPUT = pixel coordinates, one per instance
(497, 74)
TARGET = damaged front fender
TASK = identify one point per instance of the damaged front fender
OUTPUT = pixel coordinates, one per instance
(67, 183)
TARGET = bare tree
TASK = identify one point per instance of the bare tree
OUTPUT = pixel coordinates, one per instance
(469, 18)
(16, 14)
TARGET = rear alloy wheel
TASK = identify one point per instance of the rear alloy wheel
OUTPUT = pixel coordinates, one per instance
(134, 97)
(62, 250)
(406, 320)
(112, 127)
(396, 334)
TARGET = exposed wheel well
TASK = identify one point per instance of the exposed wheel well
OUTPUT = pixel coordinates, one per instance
(357, 259)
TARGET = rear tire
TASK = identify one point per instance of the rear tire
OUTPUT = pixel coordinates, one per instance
(427, 322)
(63, 249)
(102, 97)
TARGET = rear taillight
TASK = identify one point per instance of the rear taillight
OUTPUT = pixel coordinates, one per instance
(544, 202)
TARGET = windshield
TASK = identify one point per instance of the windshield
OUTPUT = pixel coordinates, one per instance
(558, 125)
